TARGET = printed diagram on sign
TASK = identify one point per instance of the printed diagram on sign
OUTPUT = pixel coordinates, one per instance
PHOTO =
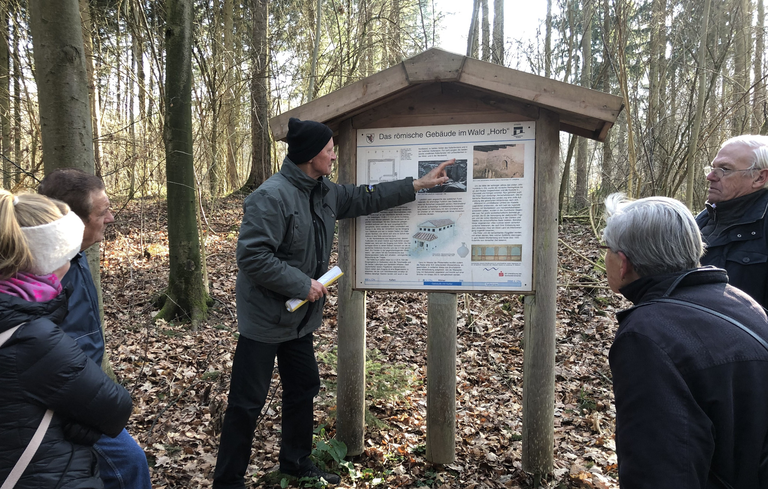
(498, 161)
(456, 172)
(381, 171)
(384, 165)
(491, 252)
(432, 234)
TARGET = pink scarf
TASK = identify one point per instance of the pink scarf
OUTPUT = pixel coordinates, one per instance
(31, 288)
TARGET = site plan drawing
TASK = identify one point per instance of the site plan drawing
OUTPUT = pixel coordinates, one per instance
(473, 233)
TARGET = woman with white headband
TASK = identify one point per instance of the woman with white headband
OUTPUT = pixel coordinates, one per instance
(54, 402)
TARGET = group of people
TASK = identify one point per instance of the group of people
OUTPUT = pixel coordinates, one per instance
(689, 361)
(690, 358)
(62, 419)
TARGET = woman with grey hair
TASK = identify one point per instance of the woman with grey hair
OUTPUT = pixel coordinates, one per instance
(690, 358)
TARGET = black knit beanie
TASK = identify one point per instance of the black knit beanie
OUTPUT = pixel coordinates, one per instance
(306, 139)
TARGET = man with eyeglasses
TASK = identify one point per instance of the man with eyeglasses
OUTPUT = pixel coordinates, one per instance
(689, 362)
(734, 224)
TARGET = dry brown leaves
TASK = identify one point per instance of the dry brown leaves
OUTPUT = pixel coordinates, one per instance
(179, 378)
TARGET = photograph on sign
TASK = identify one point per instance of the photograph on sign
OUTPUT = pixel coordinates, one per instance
(473, 233)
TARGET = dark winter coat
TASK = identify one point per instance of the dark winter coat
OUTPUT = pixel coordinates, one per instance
(83, 323)
(285, 241)
(43, 368)
(690, 388)
(736, 234)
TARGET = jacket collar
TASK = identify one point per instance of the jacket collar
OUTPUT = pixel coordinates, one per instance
(298, 178)
(14, 311)
(744, 209)
(645, 289)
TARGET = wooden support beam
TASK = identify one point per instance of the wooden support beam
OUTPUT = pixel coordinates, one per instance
(350, 391)
(539, 347)
(441, 377)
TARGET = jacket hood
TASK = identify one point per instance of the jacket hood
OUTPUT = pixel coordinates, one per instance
(14, 311)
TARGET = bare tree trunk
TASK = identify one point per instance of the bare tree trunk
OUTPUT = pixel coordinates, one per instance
(230, 107)
(474, 27)
(497, 48)
(742, 41)
(568, 31)
(623, 74)
(62, 84)
(395, 48)
(701, 91)
(366, 49)
(486, 49)
(261, 162)
(17, 101)
(581, 192)
(655, 76)
(186, 296)
(132, 118)
(214, 170)
(87, 25)
(606, 172)
(759, 102)
(315, 51)
(566, 178)
(5, 97)
(548, 42)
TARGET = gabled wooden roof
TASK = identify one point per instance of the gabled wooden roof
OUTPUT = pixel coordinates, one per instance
(457, 89)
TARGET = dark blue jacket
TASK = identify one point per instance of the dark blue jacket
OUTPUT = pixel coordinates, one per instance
(691, 389)
(43, 368)
(83, 323)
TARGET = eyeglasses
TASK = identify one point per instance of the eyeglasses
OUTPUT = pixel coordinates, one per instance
(604, 247)
(724, 172)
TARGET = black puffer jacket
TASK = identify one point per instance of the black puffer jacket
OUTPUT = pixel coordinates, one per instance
(43, 368)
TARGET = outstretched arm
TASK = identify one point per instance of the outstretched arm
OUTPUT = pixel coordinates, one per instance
(434, 178)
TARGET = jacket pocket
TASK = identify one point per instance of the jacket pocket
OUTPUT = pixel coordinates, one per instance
(747, 257)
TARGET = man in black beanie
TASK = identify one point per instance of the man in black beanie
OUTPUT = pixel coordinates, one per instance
(284, 246)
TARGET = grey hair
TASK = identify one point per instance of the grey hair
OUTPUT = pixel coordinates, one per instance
(759, 146)
(657, 234)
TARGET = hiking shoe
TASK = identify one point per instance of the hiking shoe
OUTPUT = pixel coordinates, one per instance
(313, 471)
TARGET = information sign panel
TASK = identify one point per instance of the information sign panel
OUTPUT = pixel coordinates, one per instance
(474, 233)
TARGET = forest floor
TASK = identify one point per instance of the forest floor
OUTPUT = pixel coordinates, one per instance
(179, 379)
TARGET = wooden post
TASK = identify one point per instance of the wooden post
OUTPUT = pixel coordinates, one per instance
(350, 393)
(441, 377)
(539, 348)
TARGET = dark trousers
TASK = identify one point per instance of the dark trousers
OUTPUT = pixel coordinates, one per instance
(251, 375)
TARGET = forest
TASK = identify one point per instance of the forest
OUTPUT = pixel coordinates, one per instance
(169, 102)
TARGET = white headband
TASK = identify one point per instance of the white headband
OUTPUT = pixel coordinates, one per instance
(55, 243)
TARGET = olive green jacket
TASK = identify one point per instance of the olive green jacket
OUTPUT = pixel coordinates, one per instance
(285, 240)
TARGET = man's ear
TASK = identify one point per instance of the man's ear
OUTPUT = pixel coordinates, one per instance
(626, 266)
(762, 177)
(628, 274)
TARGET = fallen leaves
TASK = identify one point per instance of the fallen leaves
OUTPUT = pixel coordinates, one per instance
(179, 378)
